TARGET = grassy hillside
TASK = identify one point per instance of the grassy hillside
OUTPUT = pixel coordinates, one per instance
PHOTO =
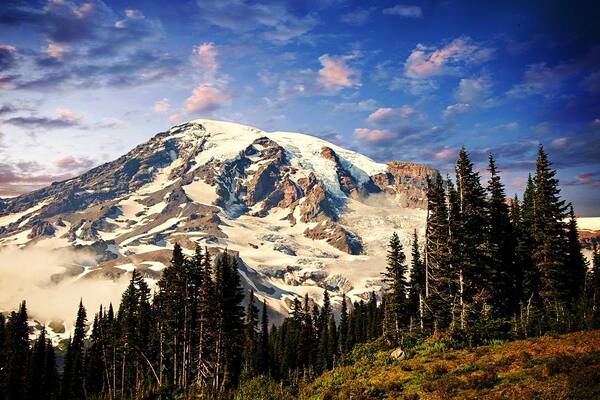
(560, 367)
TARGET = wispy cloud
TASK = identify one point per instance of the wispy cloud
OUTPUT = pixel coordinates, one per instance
(426, 61)
(357, 17)
(273, 21)
(406, 11)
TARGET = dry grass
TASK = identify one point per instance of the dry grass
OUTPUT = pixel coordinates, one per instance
(565, 367)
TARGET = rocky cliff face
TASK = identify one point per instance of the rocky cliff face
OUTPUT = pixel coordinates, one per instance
(282, 200)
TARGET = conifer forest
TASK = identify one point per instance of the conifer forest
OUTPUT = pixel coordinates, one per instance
(489, 268)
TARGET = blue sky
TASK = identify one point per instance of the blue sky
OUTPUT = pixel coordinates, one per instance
(82, 82)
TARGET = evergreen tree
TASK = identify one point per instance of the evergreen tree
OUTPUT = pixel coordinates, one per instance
(474, 266)
(325, 352)
(438, 275)
(16, 353)
(343, 330)
(230, 324)
(525, 226)
(264, 351)
(397, 307)
(41, 378)
(576, 267)
(332, 346)
(50, 383)
(501, 277)
(94, 359)
(251, 338)
(207, 320)
(416, 290)
(550, 250)
(72, 379)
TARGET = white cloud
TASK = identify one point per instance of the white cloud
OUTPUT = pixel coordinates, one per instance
(406, 11)
(336, 74)
(359, 106)
(473, 90)
(425, 62)
(456, 109)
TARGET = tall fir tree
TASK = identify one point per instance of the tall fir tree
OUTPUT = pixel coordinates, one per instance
(397, 307)
(531, 285)
(438, 277)
(550, 247)
(251, 338)
(230, 323)
(343, 329)
(325, 355)
(16, 353)
(501, 277)
(576, 267)
(72, 387)
(42, 381)
(416, 291)
(264, 357)
(474, 266)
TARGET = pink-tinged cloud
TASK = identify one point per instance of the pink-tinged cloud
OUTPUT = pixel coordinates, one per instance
(55, 50)
(7, 48)
(596, 122)
(206, 99)
(445, 154)
(70, 162)
(205, 56)
(373, 136)
(336, 74)
(67, 115)
(390, 116)
(161, 106)
(426, 62)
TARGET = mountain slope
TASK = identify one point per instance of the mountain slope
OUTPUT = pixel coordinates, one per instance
(302, 213)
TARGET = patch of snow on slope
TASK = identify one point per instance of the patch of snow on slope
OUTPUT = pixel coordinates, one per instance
(589, 223)
(201, 192)
(10, 218)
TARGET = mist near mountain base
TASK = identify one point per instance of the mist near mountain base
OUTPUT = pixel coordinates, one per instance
(37, 276)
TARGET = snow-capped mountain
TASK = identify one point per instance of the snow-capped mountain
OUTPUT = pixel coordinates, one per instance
(302, 213)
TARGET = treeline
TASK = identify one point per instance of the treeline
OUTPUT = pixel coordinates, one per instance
(486, 269)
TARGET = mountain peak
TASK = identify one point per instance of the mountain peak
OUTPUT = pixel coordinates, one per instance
(295, 207)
